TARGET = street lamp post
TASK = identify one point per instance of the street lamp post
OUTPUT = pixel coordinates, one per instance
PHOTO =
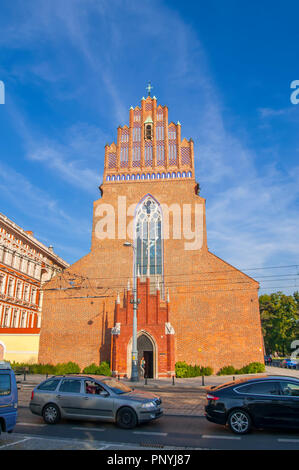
(134, 371)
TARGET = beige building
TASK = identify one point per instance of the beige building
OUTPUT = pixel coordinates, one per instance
(25, 265)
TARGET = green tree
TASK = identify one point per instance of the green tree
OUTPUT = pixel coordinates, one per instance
(279, 315)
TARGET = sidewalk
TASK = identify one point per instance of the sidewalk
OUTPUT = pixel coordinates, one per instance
(187, 397)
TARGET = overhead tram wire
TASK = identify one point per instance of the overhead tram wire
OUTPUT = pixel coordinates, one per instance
(61, 270)
(208, 272)
(175, 284)
(177, 293)
(279, 277)
(40, 263)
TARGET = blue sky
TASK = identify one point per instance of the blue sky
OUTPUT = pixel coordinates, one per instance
(73, 68)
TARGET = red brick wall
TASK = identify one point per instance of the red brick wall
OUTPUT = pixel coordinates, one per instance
(214, 307)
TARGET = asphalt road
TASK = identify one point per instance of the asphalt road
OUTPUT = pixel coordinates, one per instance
(169, 432)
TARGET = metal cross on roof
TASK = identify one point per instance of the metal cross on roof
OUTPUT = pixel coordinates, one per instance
(149, 88)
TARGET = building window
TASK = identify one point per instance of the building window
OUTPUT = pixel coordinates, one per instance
(24, 319)
(160, 133)
(160, 154)
(26, 293)
(10, 289)
(8, 258)
(136, 134)
(2, 283)
(6, 321)
(136, 154)
(172, 154)
(19, 290)
(148, 237)
(15, 319)
(148, 153)
(148, 131)
(172, 134)
(33, 296)
(16, 261)
(2, 253)
(24, 265)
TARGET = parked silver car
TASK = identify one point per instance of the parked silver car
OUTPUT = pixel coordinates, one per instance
(94, 398)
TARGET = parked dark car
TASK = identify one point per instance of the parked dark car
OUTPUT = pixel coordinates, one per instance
(289, 363)
(267, 401)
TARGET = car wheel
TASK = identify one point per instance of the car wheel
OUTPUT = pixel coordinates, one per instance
(239, 422)
(51, 414)
(126, 418)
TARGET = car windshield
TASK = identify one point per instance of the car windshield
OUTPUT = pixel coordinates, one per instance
(117, 387)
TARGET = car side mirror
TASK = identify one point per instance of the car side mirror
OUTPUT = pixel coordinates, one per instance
(103, 393)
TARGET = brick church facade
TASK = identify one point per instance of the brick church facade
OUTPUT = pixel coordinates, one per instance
(193, 306)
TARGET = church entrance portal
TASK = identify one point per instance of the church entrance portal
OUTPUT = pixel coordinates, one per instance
(145, 350)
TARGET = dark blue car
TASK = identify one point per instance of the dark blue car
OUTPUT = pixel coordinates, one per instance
(8, 398)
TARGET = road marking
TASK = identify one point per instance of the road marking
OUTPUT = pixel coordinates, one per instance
(14, 443)
(205, 436)
(88, 429)
(151, 433)
(288, 440)
(31, 424)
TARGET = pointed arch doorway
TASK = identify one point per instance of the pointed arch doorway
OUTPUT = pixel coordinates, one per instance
(147, 348)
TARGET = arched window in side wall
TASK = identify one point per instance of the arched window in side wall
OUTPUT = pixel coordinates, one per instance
(148, 237)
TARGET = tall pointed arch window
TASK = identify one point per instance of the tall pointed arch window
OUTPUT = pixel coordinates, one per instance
(148, 238)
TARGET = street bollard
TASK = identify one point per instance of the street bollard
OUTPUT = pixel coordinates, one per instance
(233, 378)
(118, 377)
(145, 380)
(202, 380)
(173, 380)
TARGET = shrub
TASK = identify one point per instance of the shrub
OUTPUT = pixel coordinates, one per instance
(58, 369)
(92, 369)
(67, 368)
(102, 369)
(227, 370)
(184, 370)
(252, 368)
(42, 369)
(206, 371)
(181, 369)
